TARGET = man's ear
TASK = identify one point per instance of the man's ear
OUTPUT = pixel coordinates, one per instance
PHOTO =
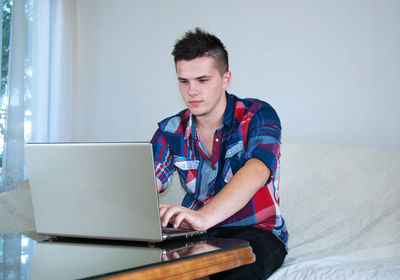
(226, 79)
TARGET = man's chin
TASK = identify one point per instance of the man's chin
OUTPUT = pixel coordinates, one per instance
(196, 112)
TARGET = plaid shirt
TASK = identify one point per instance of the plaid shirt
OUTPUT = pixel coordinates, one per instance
(250, 129)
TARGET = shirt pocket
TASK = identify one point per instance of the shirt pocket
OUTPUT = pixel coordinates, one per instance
(233, 160)
(187, 169)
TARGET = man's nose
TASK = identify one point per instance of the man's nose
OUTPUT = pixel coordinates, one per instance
(192, 89)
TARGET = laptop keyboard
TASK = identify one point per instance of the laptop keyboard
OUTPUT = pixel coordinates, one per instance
(175, 230)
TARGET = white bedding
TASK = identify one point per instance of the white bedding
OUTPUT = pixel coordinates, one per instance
(373, 263)
(342, 208)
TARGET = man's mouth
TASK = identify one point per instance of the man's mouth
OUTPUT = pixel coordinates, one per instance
(195, 103)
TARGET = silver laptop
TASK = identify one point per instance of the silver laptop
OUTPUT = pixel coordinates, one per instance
(96, 190)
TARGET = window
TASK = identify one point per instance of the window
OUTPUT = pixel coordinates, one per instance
(21, 48)
(5, 47)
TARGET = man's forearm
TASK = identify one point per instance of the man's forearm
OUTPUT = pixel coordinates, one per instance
(233, 197)
(237, 193)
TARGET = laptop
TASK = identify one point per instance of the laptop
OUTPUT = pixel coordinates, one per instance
(97, 190)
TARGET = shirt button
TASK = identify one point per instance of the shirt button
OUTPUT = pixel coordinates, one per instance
(216, 139)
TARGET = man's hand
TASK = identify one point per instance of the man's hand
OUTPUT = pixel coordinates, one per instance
(182, 217)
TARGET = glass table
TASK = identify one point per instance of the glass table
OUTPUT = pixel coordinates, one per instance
(30, 256)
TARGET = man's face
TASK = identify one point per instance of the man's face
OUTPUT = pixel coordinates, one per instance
(202, 87)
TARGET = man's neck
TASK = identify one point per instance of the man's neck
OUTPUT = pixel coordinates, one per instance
(208, 123)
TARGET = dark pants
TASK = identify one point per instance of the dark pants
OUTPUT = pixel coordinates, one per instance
(269, 250)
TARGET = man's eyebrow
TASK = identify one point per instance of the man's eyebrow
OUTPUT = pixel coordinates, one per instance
(203, 77)
(197, 78)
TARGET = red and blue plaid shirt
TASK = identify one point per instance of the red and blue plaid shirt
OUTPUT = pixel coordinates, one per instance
(250, 129)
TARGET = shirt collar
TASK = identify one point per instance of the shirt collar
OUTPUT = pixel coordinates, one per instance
(189, 126)
(229, 110)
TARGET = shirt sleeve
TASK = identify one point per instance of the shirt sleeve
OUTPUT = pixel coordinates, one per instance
(264, 137)
(163, 166)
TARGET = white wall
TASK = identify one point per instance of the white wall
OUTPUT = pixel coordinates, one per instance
(330, 68)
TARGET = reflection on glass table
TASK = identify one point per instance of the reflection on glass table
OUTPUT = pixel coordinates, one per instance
(33, 258)
(16, 252)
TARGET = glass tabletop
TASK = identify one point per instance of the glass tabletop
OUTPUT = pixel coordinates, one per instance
(31, 256)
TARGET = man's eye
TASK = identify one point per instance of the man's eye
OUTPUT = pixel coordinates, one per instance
(203, 80)
(183, 81)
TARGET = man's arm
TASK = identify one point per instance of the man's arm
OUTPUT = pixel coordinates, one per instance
(163, 166)
(233, 197)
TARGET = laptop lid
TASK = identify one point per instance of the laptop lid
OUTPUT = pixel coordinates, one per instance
(95, 190)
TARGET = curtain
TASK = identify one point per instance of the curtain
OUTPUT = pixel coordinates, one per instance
(42, 81)
(54, 71)
(13, 155)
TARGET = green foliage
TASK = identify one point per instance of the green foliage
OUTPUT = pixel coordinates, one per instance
(5, 48)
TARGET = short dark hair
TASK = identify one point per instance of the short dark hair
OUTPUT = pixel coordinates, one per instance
(198, 43)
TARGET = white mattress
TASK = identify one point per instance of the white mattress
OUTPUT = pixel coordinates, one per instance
(373, 263)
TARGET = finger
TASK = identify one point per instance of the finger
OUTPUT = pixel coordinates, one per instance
(168, 215)
(179, 219)
(186, 220)
(163, 209)
(185, 225)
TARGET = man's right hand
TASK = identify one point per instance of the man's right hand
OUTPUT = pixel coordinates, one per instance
(182, 217)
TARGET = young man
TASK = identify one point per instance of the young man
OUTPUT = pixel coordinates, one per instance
(226, 151)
